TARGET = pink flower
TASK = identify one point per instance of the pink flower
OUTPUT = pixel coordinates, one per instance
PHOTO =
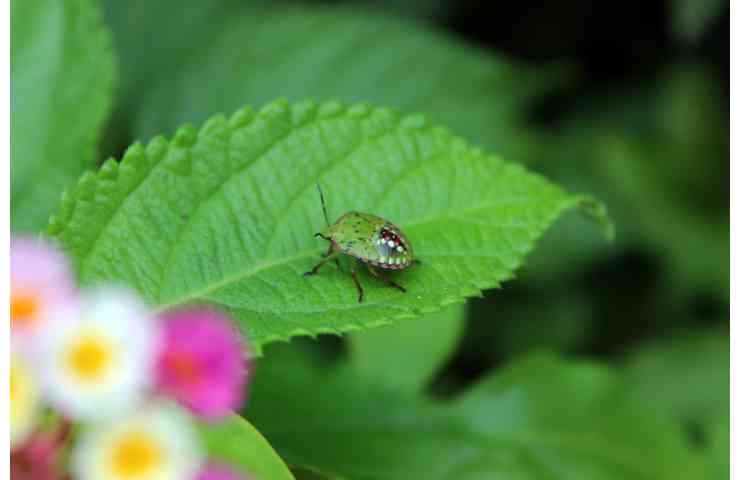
(202, 363)
(215, 471)
(41, 286)
(38, 459)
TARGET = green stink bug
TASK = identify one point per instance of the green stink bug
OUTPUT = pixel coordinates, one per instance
(372, 240)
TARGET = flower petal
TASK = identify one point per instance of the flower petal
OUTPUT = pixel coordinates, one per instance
(100, 361)
(202, 363)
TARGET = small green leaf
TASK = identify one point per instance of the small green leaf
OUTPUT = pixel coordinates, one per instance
(407, 355)
(61, 87)
(237, 444)
(541, 417)
(226, 215)
(210, 62)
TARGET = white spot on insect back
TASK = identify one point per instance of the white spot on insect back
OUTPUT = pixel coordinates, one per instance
(399, 249)
(391, 244)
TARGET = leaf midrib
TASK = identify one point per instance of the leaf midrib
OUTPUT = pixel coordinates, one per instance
(265, 265)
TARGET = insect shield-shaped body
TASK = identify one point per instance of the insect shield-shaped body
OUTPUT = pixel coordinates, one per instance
(372, 240)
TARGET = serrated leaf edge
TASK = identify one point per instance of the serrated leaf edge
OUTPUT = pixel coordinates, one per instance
(112, 173)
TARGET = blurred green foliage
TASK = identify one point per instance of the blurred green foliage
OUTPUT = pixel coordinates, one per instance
(205, 62)
(540, 417)
(687, 373)
(62, 76)
(640, 325)
(235, 442)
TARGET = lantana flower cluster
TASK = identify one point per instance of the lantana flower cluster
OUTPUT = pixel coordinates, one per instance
(101, 387)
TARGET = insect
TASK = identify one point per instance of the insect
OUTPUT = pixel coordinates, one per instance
(372, 240)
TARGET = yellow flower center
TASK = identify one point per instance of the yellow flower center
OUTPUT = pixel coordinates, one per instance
(136, 454)
(21, 388)
(24, 401)
(23, 310)
(90, 358)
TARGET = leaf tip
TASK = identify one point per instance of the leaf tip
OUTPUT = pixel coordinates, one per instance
(598, 212)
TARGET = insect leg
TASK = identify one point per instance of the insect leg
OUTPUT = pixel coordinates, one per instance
(360, 291)
(328, 258)
(328, 252)
(385, 278)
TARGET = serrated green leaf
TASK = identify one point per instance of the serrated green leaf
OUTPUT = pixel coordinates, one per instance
(541, 417)
(407, 355)
(61, 87)
(201, 61)
(686, 374)
(236, 443)
(226, 216)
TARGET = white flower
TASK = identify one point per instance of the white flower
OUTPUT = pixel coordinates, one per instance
(156, 443)
(100, 362)
(25, 401)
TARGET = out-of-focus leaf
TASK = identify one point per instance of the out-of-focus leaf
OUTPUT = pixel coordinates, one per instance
(61, 86)
(226, 216)
(303, 473)
(695, 247)
(201, 61)
(236, 443)
(541, 417)
(659, 159)
(692, 18)
(686, 374)
(719, 448)
(417, 8)
(517, 324)
(407, 355)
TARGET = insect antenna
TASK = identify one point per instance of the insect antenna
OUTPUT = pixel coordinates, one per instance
(323, 204)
